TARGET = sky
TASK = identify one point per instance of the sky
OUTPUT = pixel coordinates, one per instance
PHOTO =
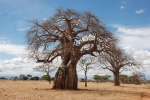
(129, 20)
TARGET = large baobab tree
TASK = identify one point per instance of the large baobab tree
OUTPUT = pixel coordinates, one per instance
(70, 35)
(117, 60)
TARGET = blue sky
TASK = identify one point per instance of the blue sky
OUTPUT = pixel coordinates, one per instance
(129, 20)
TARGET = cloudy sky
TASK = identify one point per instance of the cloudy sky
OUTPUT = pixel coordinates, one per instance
(129, 20)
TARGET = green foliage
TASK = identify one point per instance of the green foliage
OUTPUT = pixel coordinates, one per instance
(98, 78)
(29, 76)
(23, 77)
(3, 78)
(45, 77)
(124, 78)
(35, 78)
(135, 78)
(82, 80)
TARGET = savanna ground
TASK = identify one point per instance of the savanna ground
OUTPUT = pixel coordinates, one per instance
(41, 90)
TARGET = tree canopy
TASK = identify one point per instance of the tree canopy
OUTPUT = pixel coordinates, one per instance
(69, 34)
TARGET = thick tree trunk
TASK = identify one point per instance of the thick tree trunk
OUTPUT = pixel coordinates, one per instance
(66, 77)
(85, 79)
(116, 78)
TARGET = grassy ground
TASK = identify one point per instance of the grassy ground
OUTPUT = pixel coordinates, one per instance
(41, 90)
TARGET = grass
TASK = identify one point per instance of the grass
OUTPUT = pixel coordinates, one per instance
(41, 90)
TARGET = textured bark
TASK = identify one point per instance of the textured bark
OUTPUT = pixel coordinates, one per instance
(116, 78)
(66, 77)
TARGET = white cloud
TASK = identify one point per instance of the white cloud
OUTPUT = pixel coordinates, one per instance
(121, 7)
(135, 37)
(136, 40)
(12, 49)
(23, 29)
(139, 11)
(17, 66)
(4, 40)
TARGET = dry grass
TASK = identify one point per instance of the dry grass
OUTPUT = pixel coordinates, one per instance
(41, 90)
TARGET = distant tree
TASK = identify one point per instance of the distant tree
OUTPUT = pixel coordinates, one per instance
(124, 78)
(96, 78)
(29, 76)
(23, 77)
(3, 78)
(106, 78)
(116, 60)
(14, 78)
(85, 64)
(70, 35)
(82, 80)
(46, 68)
(45, 77)
(137, 78)
(35, 78)
(99, 78)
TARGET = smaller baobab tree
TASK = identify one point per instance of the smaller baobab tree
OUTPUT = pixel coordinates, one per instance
(85, 63)
(117, 60)
(46, 68)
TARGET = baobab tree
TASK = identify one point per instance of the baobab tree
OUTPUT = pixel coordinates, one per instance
(117, 60)
(85, 64)
(70, 35)
(46, 68)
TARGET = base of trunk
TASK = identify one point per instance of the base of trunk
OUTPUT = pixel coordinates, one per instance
(116, 79)
(66, 78)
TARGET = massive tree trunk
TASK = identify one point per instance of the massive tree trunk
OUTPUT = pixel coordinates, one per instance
(66, 77)
(116, 78)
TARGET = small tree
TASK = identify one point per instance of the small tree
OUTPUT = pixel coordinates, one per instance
(99, 78)
(35, 78)
(124, 78)
(116, 60)
(46, 77)
(29, 76)
(85, 64)
(82, 80)
(106, 77)
(96, 78)
(46, 68)
(23, 77)
(137, 78)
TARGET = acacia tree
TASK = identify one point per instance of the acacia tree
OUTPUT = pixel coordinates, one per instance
(103, 78)
(85, 64)
(137, 78)
(116, 60)
(46, 68)
(29, 76)
(70, 35)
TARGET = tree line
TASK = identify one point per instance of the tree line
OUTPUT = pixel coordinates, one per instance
(29, 77)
